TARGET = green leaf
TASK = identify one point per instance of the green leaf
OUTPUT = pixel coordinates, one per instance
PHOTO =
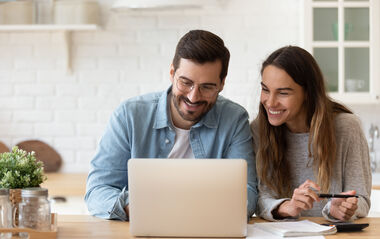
(20, 169)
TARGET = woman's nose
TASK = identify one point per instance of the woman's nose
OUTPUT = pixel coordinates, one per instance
(271, 101)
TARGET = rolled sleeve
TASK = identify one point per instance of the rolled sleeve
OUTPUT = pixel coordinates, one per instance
(118, 211)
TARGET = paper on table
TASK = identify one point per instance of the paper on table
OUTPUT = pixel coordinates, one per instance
(297, 228)
(254, 232)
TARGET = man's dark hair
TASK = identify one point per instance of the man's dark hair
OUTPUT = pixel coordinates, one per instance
(202, 46)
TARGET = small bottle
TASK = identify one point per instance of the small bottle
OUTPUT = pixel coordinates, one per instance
(5, 213)
(34, 210)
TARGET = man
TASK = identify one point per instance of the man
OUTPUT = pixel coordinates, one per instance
(189, 120)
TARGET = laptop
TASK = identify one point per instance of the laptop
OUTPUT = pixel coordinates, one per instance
(188, 197)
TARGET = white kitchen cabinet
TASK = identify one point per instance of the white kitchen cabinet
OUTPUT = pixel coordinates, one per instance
(375, 196)
(375, 205)
(65, 30)
(344, 37)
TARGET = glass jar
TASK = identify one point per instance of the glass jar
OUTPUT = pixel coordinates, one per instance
(34, 209)
(5, 212)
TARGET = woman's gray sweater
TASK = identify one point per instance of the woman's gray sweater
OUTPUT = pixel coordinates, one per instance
(351, 170)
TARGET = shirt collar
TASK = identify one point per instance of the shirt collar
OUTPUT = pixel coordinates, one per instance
(163, 119)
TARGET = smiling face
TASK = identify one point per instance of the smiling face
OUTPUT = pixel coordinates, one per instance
(283, 100)
(187, 108)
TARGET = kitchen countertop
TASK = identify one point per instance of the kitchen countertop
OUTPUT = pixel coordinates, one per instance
(74, 184)
(66, 184)
(66, 192)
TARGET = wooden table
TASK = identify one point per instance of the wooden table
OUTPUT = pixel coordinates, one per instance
(83, 226)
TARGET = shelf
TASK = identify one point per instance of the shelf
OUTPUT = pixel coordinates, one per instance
(343, 44)
(122, 5)
(64, 29)
(356, 97)
(49, 27)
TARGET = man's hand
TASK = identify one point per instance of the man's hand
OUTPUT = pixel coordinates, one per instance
(344, 208)
(302, 199)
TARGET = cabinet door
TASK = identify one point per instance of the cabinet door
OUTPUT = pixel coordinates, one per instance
(356, 59)
(325, 24)
(356, 69)
(327, 58)
(344, 39)
(375, 206)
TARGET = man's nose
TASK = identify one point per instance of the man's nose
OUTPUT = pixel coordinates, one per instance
(194, 95)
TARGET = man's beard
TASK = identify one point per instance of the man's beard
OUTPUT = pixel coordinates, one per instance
(189, 115)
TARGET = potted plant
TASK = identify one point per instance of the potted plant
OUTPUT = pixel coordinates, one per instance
(20, 169)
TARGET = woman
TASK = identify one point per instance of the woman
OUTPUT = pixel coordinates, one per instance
(306, 144)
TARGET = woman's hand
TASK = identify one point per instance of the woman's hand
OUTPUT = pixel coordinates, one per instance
(302, 199)
(344, 208)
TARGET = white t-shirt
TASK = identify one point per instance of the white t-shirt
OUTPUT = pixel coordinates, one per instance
(181, 147)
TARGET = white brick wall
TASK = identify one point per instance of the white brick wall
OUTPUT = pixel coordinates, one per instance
(129, 56)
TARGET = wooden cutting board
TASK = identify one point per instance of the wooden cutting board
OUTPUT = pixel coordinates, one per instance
(51, 159)
(3, 148)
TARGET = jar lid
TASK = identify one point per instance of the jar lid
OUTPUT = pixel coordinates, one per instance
(34, 192)
(4, 191)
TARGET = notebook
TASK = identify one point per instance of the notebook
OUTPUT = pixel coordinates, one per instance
(296, 228)
(188, 197)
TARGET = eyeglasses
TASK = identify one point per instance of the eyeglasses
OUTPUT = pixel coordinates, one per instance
(207, 90)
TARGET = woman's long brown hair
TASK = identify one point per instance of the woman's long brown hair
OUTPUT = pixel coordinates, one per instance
(272, 165)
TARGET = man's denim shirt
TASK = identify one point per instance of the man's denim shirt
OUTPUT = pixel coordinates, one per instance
(141, 128)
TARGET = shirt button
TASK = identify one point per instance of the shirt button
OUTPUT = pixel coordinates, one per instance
(167, 141)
